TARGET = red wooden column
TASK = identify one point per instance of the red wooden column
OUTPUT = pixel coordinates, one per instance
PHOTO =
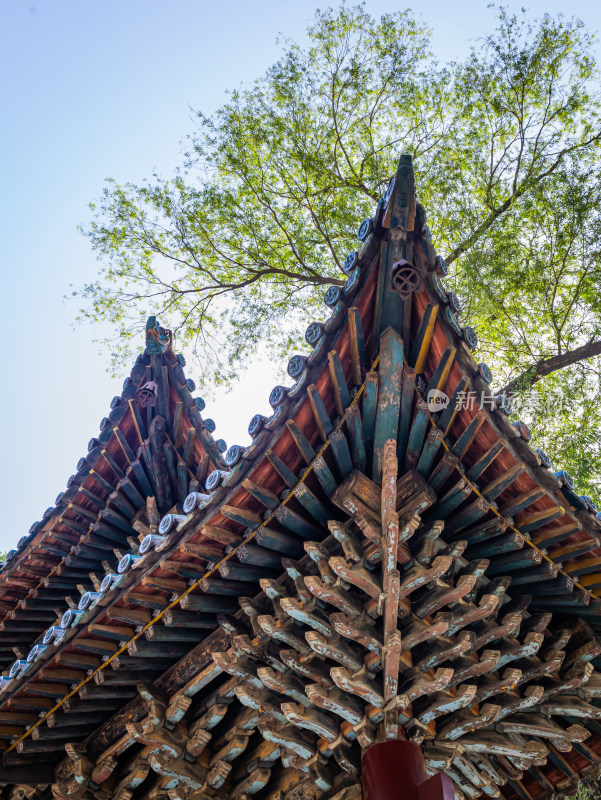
(396, 770)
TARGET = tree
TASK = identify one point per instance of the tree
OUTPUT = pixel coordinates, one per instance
(242, 241)
(531, 290)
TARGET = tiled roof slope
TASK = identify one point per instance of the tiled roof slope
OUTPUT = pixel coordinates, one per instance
(70, 548)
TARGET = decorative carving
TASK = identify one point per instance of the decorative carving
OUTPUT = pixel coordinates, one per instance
(158, 339)
(406, 278)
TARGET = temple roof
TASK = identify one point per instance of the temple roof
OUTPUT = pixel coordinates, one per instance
(236, 608)
(98, 510)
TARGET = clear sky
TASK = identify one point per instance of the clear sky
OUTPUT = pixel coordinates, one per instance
(98, 88)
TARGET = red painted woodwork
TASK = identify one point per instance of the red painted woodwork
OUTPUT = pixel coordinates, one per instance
(437, 787)
(396, 770)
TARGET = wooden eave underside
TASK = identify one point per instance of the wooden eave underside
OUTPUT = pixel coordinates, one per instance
(186, 688)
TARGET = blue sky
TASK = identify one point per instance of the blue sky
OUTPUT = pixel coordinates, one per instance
(98, 88)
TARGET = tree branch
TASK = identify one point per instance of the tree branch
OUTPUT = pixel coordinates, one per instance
(526, 185)
(546, 366)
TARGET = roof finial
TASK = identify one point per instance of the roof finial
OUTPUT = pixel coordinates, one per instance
(400, 197)
(158, 339)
